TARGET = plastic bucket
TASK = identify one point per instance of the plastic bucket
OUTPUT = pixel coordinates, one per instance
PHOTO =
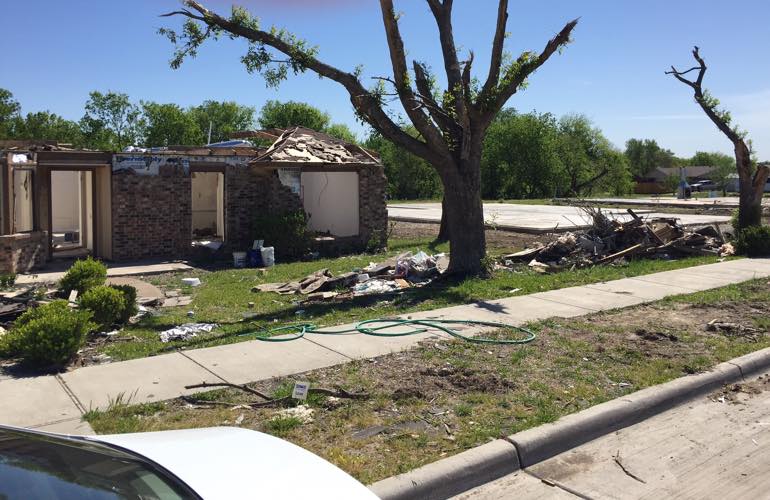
(268, 256)
(239, 259)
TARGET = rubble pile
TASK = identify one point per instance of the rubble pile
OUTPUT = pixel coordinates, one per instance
(404, 271)
(609, 240)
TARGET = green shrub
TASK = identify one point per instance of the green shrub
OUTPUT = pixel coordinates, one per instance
(287, 232)
(83, 275)
(106, 303)
(7, 280)
(129, 294)
(754, 241)
(48, 335)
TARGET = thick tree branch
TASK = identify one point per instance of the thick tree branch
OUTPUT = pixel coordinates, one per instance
(365, 103)
(401, 76)
(708, 108)
(498, 43)
(425, 94)
(442, 12)
(523, 68)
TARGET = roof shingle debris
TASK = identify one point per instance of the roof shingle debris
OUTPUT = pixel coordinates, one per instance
(304, 145)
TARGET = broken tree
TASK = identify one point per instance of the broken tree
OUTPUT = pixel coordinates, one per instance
(751, 178)
(451, 124)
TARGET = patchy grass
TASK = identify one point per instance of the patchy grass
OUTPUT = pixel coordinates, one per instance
(447, 396)
(224, 298)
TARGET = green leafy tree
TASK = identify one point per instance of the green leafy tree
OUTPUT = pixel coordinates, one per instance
(47, 126)
(111, 122)
(169, 124)
(224, 118)
(9, 113)
(588, 158)
(644, 156)
(521, 156)
(276, 114)
(452, 122)
(409, 176)
(341, 131)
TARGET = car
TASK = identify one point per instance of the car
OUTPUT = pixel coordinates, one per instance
(703, 185)
(210, 463)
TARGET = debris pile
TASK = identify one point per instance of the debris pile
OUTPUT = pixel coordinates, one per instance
(609, 240)
(185, 332)
(406, 270)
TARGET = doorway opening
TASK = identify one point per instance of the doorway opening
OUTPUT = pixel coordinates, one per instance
(72, 213)
(208, 209)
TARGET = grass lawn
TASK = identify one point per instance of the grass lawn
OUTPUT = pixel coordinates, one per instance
(224, 298)
(447, 396)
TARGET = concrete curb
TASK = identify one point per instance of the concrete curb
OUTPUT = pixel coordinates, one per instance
(452, 475)
(477, 466)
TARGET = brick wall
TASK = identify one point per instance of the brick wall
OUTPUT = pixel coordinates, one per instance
(23, 252)
(249, 192)
(151, 214)
(372, 204)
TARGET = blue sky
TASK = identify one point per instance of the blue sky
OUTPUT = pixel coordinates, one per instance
(56, 52)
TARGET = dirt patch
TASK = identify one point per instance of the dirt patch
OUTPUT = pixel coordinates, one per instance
(740, 392)
(496, 239)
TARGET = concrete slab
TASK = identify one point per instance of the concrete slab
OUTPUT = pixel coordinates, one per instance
(523, 484)
(257, 360)
(689, 280)
(35, 401)
(73, 427)
(533, 218)
(636, 288)
(705, 449)
(143, 380)
(514, 310)
(670, 201)
(144, 290)
(589, 298)
(123, 269)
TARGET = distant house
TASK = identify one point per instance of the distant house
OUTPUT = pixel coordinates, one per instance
(734, 187)
(655, 181)
(162, 202)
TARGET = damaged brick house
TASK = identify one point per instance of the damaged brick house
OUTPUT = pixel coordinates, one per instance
(58, 202)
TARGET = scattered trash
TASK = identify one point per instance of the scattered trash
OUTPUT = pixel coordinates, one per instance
(191, 281)
(374, 287)
(609, 240)
(239, 259)
(190, 314)
(268, 256)
(186, 331)
(303, 413)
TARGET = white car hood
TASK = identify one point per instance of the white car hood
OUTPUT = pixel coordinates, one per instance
(229, 462)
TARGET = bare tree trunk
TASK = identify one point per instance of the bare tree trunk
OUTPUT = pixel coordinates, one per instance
(443, 231)
(465, 218)
(752, 188)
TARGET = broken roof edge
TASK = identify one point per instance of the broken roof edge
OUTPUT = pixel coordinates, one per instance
(302, 145)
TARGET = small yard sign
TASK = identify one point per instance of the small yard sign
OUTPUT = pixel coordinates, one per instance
(300, 390)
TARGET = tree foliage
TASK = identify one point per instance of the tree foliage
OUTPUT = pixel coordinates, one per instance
(281, 115)
(224, 118)
(644, 156)
(409, 177)
(112, 121)
(170, 124)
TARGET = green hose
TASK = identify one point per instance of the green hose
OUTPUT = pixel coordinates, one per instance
(297, 331)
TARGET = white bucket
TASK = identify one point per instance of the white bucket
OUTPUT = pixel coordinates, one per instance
(268, 256)
(239, 259)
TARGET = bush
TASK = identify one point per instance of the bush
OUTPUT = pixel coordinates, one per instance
(106, 303)
(48, 335)
(7, 280)
(83, 275)
(754, 241)
(129, 295)
(287, 232)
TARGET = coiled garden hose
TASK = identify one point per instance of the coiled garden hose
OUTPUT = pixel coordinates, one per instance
(369, 327)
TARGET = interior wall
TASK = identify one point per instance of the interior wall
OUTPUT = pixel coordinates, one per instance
(331, 200)
(65, 201)
(22, 200)
(208, 202)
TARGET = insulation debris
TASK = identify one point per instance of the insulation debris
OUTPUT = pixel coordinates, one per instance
(186, 331)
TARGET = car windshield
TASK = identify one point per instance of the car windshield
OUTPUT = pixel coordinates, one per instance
(40, 466)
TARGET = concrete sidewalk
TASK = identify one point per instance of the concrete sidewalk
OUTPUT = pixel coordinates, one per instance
(57, 402)
(712, 447)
